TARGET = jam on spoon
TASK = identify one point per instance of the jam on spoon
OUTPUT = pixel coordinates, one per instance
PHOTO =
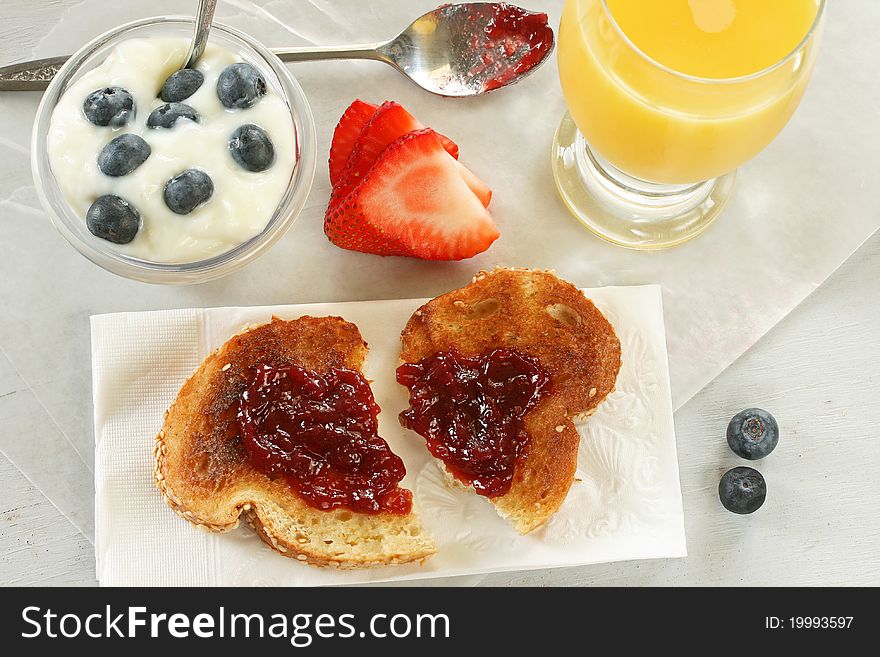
(471, 411)
(318, 431)
(516, 41)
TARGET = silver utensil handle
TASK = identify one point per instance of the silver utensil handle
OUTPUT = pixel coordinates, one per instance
(319, 53)
(37, 74)
(204, 18)
(30, 76)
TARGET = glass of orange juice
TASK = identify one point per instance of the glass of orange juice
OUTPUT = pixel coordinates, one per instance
(665, 99)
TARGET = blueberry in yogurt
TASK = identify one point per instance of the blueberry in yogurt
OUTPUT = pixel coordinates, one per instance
(123, 155)
(114, 219)
(188, 190)
(240, 86)
(181, 84)
(162, 211)
(110, 106)
(165, 116)
(251, 148)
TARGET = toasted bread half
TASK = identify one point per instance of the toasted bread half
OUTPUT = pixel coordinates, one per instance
(203, 471)
(539, 314)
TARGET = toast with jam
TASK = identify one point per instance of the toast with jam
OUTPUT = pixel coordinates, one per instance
(279, 426)
(497, 372)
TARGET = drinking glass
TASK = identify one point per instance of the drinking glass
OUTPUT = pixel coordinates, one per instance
(646, 156)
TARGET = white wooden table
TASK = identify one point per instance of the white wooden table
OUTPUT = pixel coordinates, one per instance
(818, 372)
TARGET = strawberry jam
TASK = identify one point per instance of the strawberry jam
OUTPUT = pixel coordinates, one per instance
(471, 410)
(318, 431)
(515, 41)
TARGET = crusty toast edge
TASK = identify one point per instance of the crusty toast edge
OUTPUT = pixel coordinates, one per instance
(251, 511)
(525, 526)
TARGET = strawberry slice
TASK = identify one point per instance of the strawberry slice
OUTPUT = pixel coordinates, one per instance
(476, 185)
(347, 131)
(390, 122)
(412, 202)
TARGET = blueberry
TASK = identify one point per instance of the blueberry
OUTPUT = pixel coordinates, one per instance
(752, 434)
(110, 106)
(251, 147)
(181, 84)
(113, 219)
(742, 490)
(188, 190)
(123, 155)
(165, 116)
(240, 86)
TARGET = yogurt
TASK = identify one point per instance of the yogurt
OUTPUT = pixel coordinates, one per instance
(242, 202)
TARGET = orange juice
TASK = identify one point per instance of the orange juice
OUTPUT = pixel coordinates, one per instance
(681, 91)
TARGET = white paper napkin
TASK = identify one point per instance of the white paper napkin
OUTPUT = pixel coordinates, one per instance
(624, 504)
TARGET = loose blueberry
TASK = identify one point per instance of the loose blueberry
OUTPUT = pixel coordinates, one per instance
(188, 190)
(181, 84)
(752, 433)
(742, 490)
(113, 219)
(240, 86)
(165, 116)
(110, 106)
(123, 155)
(251, 147)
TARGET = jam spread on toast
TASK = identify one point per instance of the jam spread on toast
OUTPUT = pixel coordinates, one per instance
(471, 410)
(319, 432)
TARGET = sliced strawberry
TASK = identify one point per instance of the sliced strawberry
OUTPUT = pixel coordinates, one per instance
(413, 202)
(390, 122)
(347, 131)
(476, 185)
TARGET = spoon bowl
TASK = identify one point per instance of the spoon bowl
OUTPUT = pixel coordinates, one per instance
(469, 49)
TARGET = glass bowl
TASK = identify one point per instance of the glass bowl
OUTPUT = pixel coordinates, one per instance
(101, 252)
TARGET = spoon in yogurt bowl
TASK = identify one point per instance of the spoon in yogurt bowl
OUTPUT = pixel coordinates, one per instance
(204, 18)
(455, 50)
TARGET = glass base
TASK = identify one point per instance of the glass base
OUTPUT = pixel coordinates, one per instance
(628, 211)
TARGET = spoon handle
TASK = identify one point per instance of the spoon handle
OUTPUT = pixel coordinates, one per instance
(36, 75)
(204, 18)
(318, 53)
(30, 76)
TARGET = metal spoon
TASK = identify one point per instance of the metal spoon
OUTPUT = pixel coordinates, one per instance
(204, 18)
(455, 50)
